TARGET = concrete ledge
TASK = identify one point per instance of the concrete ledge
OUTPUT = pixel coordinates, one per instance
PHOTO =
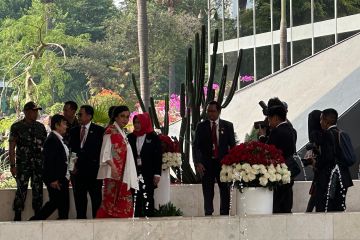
(186, 197)
(338, 226)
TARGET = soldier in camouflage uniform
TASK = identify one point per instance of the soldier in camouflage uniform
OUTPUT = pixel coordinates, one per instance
(28, 137)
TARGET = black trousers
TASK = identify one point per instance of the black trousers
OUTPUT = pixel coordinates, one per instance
(58, 199)
(283, 198)
(144, 204)
(81, 187)
(212, 174)
(312, 200)
(311, 204)
(335, 204)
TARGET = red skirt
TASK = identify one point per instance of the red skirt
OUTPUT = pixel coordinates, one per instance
(117, 201)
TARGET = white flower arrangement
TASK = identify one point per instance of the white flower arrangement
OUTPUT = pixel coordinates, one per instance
(170, 159)
(267, 175)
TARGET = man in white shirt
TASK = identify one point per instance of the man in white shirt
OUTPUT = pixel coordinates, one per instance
(55, 154)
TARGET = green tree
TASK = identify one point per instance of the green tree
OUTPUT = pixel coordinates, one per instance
(31, 61)
(13, 8)
(86, 16)
(108, 63)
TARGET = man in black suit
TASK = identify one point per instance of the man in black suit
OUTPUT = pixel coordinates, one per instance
(69, 112)
(330, 156)
(282, 136)
(86, 141)
(55, 177)
(213, 139)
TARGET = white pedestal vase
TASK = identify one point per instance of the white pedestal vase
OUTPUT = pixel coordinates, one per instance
(254, 200)
(162, 192)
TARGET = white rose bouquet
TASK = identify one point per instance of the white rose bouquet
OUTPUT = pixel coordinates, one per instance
(171, 159)
(171, 156)
(255, 164)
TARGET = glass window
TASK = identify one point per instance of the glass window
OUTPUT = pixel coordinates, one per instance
(262, 18)
(323, 10)
(343, 36)
(277, 14)
(246, 17)
(302, 49)
(263, 61)
(247, 66)
(348, 7)
(277, 56)
(301, 12)
(323, 42)
(230, 60)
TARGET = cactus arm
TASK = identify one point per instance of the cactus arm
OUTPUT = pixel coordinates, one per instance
(221, 94)
(197, 66)
(235, 81)
(201, 67)
(166, 117)
(189, 84)
(153, 114)
(210, 97)
(182, 100)
(137, 92)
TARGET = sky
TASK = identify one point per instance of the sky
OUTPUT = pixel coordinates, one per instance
(117, 2)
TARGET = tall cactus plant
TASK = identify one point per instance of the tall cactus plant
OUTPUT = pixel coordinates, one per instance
(194, 101)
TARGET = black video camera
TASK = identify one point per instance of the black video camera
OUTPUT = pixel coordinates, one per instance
(312, 146)
(260, 124)
(306, 162)
(264, 107)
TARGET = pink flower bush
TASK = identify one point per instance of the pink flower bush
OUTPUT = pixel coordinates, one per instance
(174, 109)
(246, 78)
(215, 86)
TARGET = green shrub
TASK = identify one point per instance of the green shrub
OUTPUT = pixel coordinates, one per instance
(6, 122)
(252, 136)
(101, 103)
(168, 210)
(54, 109)
(7, 180)
(5, 125)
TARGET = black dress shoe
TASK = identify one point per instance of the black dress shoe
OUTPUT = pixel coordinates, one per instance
(17, 216)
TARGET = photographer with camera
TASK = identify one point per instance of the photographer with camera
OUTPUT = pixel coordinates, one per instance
(265, 123)
(282, 136)
(264, 134)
